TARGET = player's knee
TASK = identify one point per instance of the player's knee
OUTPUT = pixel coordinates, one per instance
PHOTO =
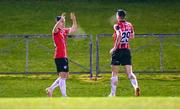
(114, 73)
(131, 76)
(64, 75)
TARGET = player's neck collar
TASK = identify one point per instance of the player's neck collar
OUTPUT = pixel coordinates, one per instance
(122, 20)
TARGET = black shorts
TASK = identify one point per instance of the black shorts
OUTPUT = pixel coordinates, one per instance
(62, 65)
(121, 57)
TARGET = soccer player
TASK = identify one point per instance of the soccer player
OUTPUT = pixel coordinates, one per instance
(59, 34)
(121, 55)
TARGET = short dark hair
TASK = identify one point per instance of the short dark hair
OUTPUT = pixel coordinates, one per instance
(58, 18)
(121, 13)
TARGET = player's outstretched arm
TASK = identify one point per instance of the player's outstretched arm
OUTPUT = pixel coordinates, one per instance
(56, 26)
(74, 25)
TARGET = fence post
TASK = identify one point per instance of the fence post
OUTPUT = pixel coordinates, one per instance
(97, 55)
(161, 53)
(27, 53)
(91, 56)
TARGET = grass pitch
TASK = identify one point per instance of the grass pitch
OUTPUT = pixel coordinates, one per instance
(32, 17)
(91, 103)
(156, 85)
(93, 17)
(159, 91)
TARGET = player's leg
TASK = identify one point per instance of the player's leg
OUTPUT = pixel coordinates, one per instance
(63, 74)
(133, 79)
(115, 62)
(55, 84)
(50, 89)
(62, 69)
(62, 82)
(114, 80)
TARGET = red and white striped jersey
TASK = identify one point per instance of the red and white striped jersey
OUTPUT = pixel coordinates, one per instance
(60, 43)
(126, 30)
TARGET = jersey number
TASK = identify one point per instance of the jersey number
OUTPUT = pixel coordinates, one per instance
(125, 37)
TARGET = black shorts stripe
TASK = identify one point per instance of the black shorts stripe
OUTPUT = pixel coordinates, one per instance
(62, 65)
(121, 57)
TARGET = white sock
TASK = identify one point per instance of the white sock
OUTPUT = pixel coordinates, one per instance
(55, 84)
(133, 80)
(114, 81)
(62, 85)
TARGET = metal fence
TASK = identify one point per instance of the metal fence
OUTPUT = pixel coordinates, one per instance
(151, 53)
(34, 54)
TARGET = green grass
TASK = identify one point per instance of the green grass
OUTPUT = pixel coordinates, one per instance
(94, 17)
(91, 103)
(163, 85)
(159, 91)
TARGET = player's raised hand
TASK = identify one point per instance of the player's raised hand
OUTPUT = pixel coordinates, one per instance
(72, 15)
(63, 14)
(74, 25)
